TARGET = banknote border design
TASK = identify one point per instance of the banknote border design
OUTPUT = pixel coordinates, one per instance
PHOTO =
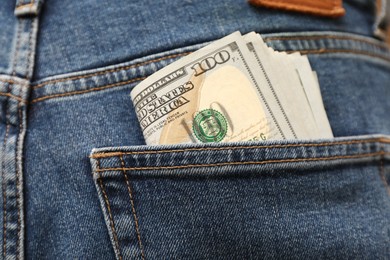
(261, 95)
(253, 50)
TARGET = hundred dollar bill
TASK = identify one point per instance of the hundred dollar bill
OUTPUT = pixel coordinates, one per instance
(291, 71)
(215, 94)
(312, 91)
(285, 86)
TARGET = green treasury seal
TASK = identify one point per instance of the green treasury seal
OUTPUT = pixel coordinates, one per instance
(209, 126)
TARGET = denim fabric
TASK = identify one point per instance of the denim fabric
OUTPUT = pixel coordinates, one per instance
(93, 109)
(274, 200)
(109, 34)
(7, 22)
(64, 92)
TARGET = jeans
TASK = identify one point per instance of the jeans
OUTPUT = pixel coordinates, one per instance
(77, 180)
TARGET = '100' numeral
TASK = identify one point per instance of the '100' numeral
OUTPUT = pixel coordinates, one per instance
(210, 62)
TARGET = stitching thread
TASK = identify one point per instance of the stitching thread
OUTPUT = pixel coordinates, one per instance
(22, 84)
(18, 182)
(29, 48)
(13, 96)
(4, 197)
(320, 51)
(141, 78)
(16, 50)
(17, 165)
(246, 162)
(110, 154)
(112, 224)
(319, 37)
(112, 70)
(133, 208)
(8, 126)
(7, 81)
(87, 90)
(382, 171)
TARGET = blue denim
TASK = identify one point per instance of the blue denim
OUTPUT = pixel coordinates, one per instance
(274, 200)
(109, 34)
(77, 180)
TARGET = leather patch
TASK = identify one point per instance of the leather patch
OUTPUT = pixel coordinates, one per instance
(328, 8)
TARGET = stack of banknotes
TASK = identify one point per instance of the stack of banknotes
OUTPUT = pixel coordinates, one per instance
(234, 89)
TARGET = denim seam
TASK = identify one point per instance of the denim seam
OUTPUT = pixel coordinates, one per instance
(282, 38)
(319, 37)
(22, 84)
(321, 51)
(382, 171)
(4, 196)
(111, 70)
(87, 90)
(381, 153)
(16, 50)
(13, 96)
(114, 154)
(18, 182)
(5, 139)
(112, 224)
(18, 167)
(378, 53)
(29, 52)
(132, 208)
(17, 162)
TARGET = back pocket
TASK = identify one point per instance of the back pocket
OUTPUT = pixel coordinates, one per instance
(274, 199)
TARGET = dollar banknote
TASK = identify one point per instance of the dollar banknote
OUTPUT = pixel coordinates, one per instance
(235, 89)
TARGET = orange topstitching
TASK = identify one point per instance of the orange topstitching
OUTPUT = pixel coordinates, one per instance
(373, 140)
(381, 153)
(133, 209)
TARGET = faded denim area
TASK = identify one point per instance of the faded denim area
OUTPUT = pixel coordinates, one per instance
(79, 183)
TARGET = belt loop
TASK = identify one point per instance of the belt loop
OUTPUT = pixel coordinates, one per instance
(28, 7)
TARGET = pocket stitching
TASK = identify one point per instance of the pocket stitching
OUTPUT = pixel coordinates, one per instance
(381, 153)
(87, 90)
(382, 170)
(107, 202)
(129, 189)
(320, 37)
(115, 154)
(321, 51)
